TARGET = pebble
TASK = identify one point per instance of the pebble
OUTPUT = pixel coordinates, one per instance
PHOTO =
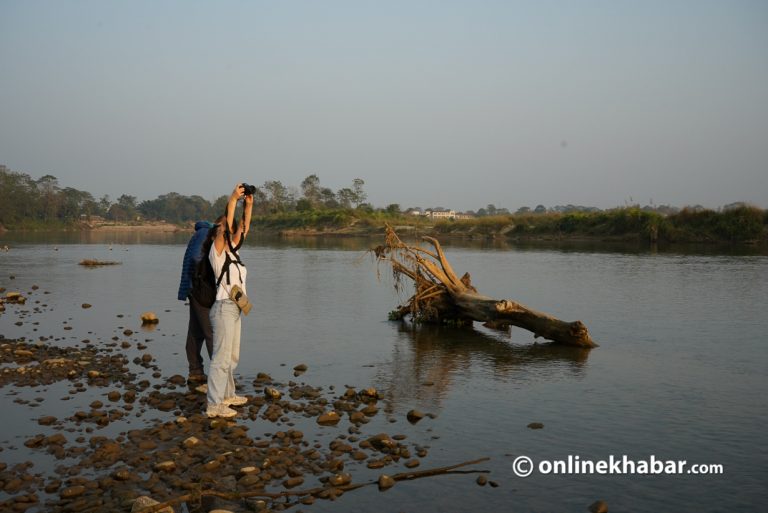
(535, 425)
(482, 480)
(598, 507)
(340, 479)
(72, 492)
(144, 502)
(293, 482)
(212, 465)
(86, 305)
(165, 466)
(149, 318)
(191, 442)
(414, 416)
(330, 418)
(385, 482)
(47, 420)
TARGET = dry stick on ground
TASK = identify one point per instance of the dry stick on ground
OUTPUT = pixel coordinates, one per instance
(234, 496)
(441, 295)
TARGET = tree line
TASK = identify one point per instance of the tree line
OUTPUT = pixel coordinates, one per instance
(42, 201)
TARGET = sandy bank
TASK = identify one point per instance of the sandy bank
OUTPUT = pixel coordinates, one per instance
(144, 227)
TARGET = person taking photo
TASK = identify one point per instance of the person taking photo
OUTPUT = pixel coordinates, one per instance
(226, 310)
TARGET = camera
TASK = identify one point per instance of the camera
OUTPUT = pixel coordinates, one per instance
(249, 190)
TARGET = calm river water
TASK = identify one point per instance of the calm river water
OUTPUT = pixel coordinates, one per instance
(680, 374)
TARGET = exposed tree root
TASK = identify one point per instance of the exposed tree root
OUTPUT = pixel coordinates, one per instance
(441, 296)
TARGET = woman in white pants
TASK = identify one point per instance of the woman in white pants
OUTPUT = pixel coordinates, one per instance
(225, 314)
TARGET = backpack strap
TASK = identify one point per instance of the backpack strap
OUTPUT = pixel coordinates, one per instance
(228, 261)
(235, 249)
(224, 269)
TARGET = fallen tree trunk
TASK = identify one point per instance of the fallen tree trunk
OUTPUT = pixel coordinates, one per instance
(441, 296)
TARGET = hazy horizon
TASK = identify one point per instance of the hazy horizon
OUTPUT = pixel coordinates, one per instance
(452, 104)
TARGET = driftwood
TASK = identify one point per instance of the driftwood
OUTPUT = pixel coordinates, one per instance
(96, 263)
(319, 491)
(441, 296)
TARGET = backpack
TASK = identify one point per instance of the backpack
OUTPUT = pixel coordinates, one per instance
(204, 281)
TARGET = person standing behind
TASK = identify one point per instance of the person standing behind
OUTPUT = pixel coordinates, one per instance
(225, 313)
(199, 327)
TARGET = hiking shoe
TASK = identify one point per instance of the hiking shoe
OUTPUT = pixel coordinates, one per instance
(197, 377)
(236, 400)
(219, 410)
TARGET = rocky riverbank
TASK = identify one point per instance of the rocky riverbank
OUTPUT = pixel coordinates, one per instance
(292, 443)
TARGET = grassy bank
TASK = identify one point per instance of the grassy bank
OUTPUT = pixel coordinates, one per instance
(746, 224)
(739, 225)
(338, 221)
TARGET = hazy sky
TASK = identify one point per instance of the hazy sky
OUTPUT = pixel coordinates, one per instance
(432, 103)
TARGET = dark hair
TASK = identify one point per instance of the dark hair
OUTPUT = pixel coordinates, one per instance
(214, 231)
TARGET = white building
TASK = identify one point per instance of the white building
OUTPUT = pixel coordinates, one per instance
(440, 214)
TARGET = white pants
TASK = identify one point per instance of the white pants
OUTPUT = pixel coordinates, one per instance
(225, 322)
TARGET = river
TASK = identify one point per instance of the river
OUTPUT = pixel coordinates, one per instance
(680, 373)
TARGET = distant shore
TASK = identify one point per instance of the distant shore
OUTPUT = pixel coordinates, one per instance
(159, 226)
(744, 225)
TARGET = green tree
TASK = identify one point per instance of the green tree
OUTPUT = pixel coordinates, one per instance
(277, 195)
(104, 204)
(73, 203)
(359, 194)
(310, 190)
(346, 197)
(328, 198)
(303, 205)
(48, 186)
(128, 204)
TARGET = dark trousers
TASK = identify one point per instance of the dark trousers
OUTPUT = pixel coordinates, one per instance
(199, 331)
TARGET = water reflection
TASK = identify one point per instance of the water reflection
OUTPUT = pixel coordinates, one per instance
(115, 240)
(119, 239)
(428, 360)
